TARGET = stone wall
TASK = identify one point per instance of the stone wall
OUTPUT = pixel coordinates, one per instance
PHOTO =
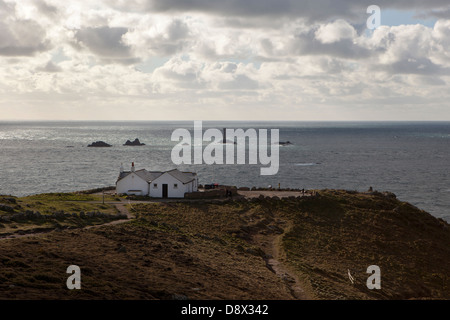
(211, 194)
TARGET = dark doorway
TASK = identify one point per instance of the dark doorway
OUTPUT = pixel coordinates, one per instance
(165, 190)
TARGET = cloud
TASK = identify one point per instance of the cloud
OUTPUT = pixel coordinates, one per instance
(441, 48)
(239, 82)
(46, 9)
(20, 37)
(310, 10)
(422, 66)
(161, 38)
(294, 58)
(412, 49)
(335, 32)
(442, 13)
(50, 67)
(206, 78)
(179, 74)
(309, 44)
(106, 42)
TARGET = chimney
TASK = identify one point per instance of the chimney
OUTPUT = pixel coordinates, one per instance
(121, 167)
(132, 167)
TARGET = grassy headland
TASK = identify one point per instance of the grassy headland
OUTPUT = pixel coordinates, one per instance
(259, 248)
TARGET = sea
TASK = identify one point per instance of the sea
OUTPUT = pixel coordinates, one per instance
(410, 159)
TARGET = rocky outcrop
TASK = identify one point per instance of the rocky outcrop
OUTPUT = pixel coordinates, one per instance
(99, 144)
(136, 142)
(36, 215)
(6, 208)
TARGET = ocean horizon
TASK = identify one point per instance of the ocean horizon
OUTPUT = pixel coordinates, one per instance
(407, 158)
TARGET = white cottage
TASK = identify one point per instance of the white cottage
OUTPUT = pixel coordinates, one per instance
(156, 184)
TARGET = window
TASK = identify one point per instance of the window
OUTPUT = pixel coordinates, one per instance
(155, 185)
(175, 186)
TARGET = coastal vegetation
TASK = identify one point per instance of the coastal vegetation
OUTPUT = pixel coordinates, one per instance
(49, 211)
(241, 248)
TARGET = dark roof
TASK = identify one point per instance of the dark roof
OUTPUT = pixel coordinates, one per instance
(149, 176)
(143, 174)
(123, 175)
(184, 177)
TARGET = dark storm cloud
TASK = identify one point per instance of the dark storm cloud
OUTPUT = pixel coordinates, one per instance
(314, 10)
(239, 8)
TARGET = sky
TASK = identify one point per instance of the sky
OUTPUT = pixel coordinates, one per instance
(313, 60)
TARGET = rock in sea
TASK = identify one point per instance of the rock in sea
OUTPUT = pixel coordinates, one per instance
(99, 144)
(136, 142)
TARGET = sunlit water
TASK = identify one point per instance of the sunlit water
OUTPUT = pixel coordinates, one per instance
(409, 159)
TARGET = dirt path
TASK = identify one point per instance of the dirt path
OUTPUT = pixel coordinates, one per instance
(271, 243)
(274, 258)
(122, 210)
